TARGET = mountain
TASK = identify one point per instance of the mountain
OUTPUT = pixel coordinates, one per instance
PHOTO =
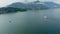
(46, 4)
(36, 5)
(17, 5)
(52, 4)
(30, 6)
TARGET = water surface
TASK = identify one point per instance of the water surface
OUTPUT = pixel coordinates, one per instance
(31, 22)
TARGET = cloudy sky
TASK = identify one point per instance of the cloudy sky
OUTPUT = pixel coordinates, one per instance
(7, 2)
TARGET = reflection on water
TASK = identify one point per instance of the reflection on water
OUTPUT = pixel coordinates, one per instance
(31, 22)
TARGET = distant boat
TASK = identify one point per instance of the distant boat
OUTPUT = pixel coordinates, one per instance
(45, 17)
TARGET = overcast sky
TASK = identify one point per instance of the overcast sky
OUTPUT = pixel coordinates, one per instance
(6, 2)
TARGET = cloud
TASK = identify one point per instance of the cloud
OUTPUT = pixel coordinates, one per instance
(6, 2)
(57, 1)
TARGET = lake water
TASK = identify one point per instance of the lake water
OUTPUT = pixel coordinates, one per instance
(31, 22)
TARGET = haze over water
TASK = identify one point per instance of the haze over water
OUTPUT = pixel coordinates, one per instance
(31, 22)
